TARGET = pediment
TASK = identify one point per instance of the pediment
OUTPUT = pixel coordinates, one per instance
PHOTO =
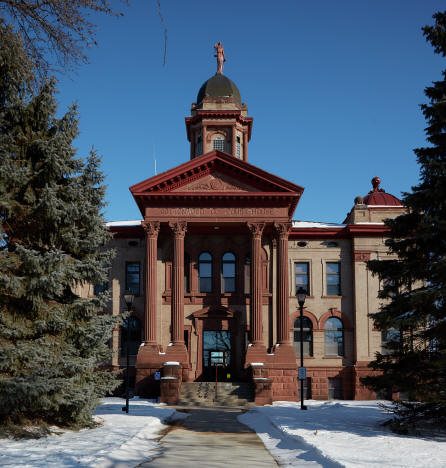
(215, 172)
(216, 182)
(220, 312)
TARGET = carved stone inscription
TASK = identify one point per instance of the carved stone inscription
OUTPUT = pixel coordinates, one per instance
(219, 212)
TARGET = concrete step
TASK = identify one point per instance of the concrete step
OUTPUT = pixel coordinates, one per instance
(230, 394)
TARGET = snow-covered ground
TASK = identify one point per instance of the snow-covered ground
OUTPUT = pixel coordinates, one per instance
(339, 434)
(123, 440)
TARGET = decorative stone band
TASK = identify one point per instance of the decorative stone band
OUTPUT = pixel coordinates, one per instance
(361, 255)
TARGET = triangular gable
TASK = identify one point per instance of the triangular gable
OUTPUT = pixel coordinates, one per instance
(215, 171)
(216, 182)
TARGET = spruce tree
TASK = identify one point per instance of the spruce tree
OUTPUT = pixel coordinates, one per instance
(53, 342)
(414, 281)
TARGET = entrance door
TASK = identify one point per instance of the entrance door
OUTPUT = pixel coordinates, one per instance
(216, 354)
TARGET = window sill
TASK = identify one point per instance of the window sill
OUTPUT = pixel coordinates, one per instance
(334, 357)
(332, 297)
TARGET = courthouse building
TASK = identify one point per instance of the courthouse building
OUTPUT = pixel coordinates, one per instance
(215, 262)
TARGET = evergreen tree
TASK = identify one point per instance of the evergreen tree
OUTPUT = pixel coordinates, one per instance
(414, 282)
(52, 341)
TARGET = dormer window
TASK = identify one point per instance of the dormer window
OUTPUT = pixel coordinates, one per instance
(219, 143)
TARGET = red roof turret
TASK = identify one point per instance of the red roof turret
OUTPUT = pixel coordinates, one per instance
(379, 197)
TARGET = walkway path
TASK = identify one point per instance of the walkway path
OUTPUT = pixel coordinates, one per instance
(211, 437)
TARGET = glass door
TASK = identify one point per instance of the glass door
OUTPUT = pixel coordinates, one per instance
(216, 355)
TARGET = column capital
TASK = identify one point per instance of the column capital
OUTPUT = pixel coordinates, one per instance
(282, 230)
(179, 228)
(151, 228)
(256, 229)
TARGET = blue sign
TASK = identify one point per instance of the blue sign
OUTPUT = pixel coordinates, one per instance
(157, 375)
(302, 373)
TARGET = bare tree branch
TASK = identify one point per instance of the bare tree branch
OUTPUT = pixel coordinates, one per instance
(55, 33)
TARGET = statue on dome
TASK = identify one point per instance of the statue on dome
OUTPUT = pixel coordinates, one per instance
(220, 54)
(376, 181)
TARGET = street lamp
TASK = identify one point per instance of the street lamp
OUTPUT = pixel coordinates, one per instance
(301, 294)
(128, 297)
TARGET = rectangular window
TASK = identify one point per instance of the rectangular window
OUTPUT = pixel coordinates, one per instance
(333, 279)
(219, 144)
(302, 276)
(388, 336)
(238, 148)
(228, 277)
(334, 388)
(132, 277)
(205, 272)
(100, 288)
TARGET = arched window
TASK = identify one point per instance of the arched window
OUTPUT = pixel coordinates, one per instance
(307, 336)
(219, 143)
(228, 272)
(132, 326)
(334, 337)
(186, 273)
(205, 271)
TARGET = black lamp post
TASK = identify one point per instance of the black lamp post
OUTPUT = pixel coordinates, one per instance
(301, 294)
(128, 297)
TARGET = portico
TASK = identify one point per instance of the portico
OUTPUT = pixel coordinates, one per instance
(216, 195)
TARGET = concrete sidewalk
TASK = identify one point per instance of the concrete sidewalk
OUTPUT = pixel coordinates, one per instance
(211, 437)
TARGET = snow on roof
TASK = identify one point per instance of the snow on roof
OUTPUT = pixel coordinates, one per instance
(136, 222)
(366, 222)
(314, 224)
(296, 224)
(386, 206)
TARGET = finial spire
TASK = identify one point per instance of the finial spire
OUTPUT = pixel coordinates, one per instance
(376, 181)
(220, 54)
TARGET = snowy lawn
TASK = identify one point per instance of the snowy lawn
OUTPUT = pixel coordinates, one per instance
(122, 440)
(339, 434)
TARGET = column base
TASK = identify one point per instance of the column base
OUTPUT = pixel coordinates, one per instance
(148, 361)
(284, 354)
(178, 352)
(255, 353)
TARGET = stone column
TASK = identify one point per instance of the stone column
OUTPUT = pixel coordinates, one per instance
(152, 229)
(204, 134)
(234, 141)
(283, 329)
(179, 230)
(256, 284)
(245, 145)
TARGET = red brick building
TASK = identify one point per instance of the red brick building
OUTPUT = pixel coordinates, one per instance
(216, 260)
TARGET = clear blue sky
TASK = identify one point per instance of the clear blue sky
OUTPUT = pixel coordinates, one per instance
(334, 88)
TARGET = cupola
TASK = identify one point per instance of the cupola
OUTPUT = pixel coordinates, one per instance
(379, 197)
(375, 207)
(219, 119)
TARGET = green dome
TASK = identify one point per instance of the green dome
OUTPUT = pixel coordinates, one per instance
(219, 86)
